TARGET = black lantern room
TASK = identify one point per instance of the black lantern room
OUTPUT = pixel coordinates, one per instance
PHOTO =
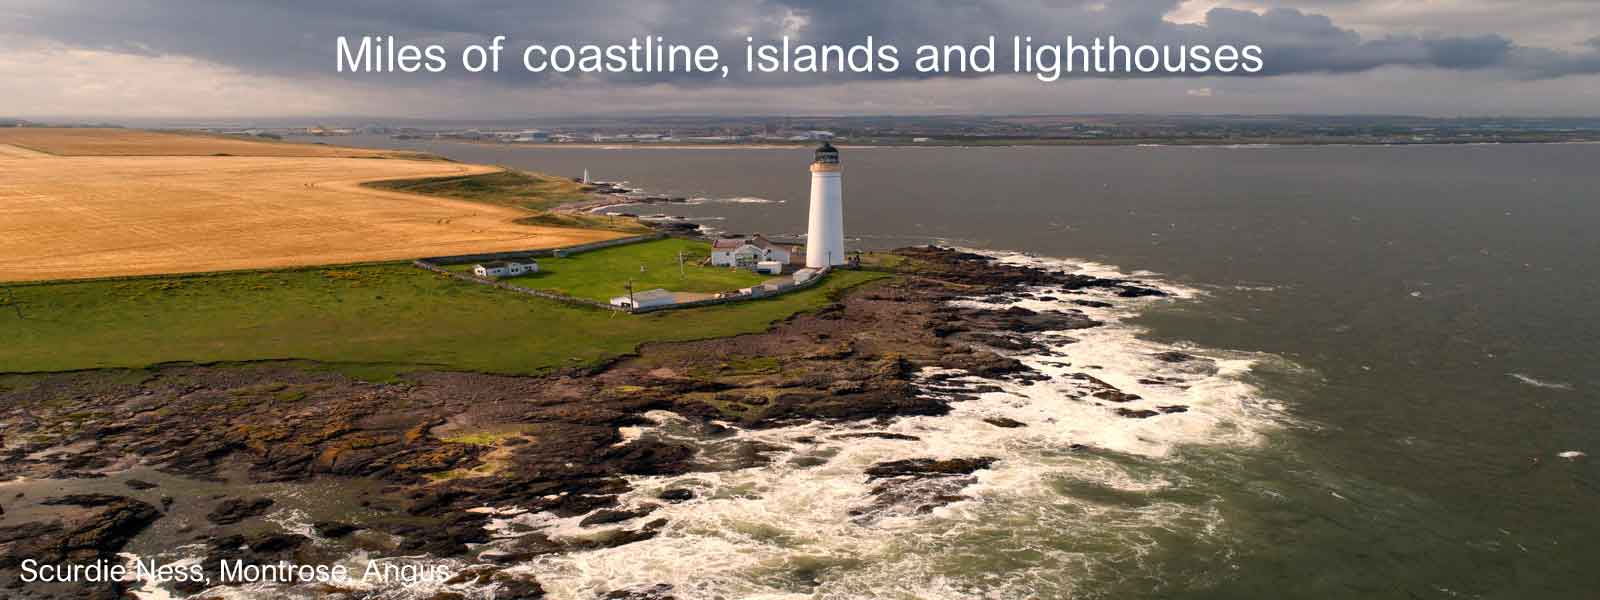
(827, 154)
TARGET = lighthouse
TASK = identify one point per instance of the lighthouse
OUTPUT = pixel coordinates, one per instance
(825, 232)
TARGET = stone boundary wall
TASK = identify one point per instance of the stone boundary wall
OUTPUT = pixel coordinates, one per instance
(821, 274)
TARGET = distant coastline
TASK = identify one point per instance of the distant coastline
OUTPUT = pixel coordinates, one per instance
(969, 143)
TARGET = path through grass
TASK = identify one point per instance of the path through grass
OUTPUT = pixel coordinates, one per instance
(603, 274)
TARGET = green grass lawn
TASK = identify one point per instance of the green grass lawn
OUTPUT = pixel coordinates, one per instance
(370, 320)
(602, 274)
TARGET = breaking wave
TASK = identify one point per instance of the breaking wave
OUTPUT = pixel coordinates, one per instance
(1078, 485)
(735, 200)
(1540, 383)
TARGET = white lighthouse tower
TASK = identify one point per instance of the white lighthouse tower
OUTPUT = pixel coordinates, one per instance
(825, 233)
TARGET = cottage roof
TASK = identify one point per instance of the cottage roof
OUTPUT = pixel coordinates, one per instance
(494, 264)
(756, 240)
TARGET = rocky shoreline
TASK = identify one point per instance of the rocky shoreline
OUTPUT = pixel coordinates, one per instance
(203, 454)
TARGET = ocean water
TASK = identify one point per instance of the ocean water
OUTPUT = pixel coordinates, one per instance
(1400, 395)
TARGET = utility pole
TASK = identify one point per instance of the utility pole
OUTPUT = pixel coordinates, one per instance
(631, 304)
(681, 275)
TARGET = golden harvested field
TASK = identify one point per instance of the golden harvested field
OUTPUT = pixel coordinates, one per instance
(134, 142)
(95, 216)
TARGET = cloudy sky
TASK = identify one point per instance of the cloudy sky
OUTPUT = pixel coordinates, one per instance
(202, 59)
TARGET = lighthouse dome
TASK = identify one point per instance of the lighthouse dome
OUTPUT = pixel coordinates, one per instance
(827, 154)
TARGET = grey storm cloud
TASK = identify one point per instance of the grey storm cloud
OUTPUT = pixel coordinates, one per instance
(297, 37)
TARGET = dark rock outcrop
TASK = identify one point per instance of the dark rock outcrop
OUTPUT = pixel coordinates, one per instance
(676, 495)
(879, 435)
(233, 510)
(917, 486)
(660, 591)
(333, 529)
(93, 529)
(1004, 422)
(918, 467)
(608, 516)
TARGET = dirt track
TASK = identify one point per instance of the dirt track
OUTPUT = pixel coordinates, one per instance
(94, 216)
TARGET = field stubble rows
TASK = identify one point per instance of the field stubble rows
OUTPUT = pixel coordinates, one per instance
(70, 217)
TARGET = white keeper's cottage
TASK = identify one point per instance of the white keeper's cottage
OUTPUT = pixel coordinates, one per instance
(505, 268)
(748, 252)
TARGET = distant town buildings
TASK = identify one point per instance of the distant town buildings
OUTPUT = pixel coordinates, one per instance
(998, 129)
(319, 130)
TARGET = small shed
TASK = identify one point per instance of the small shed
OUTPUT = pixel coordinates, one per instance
(770, 267)
(804, 275)
(645, 299)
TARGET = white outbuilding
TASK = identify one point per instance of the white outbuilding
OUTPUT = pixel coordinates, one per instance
(645, 299)
(505, 268)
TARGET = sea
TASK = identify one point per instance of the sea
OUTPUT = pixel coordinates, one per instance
(1399, 397)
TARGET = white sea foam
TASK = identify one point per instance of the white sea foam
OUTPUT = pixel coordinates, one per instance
(1076, 489)
(1540, 383)
(293, 520)
(147, 588)
(733, 200)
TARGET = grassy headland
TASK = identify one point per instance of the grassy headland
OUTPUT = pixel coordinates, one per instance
(376, 319)
(603, 274)
(371, 320)
(534, 192)
(510, 187)
(578, 220)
